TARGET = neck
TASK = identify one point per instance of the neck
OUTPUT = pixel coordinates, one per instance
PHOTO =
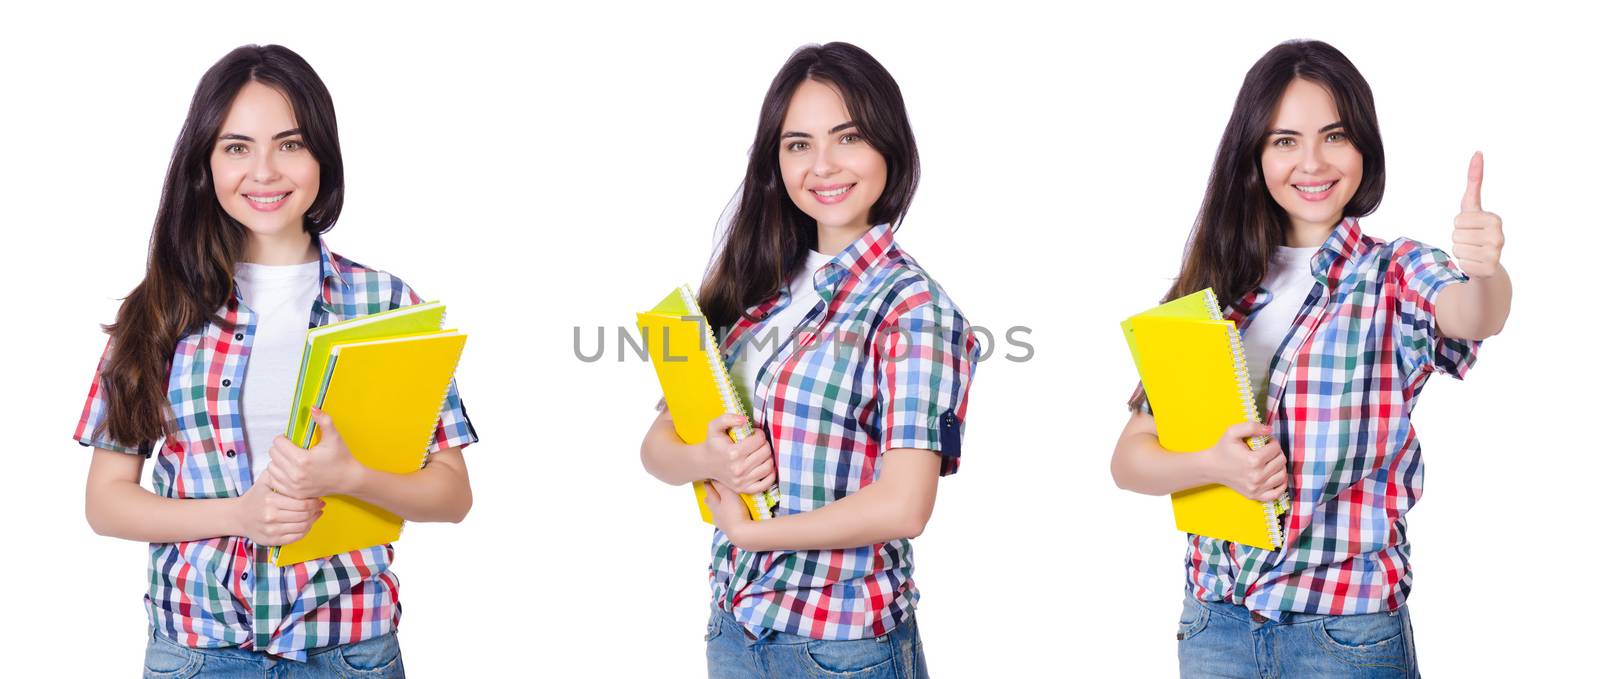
(832, 240)
(281, 249)
(1308, 235)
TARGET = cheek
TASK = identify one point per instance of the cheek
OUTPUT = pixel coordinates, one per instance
(793, 172)
(1276, 171)
(873, 171)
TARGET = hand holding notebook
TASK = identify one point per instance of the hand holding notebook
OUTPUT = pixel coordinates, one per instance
(1258, 473)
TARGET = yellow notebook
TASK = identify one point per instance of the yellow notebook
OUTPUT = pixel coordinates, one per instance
(1192, 365)
(384, 396)
(698, 389)
(425, 317)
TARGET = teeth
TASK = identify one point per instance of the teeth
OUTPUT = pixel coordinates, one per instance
(267, 201)
(1319, 188)
(833, 192)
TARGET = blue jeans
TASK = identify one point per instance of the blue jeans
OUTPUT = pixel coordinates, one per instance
(732, 654)
(1225, 641)
(375, 658)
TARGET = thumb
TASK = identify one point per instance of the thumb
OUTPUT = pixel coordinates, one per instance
(324, 423)
(1472, 201)
(713, 495)
(1244, 430)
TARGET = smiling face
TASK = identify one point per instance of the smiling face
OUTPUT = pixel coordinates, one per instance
(830, 172)
(264, 175)
(1309, 164)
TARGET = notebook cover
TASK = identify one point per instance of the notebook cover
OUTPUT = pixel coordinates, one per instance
(694, 380)
(425, 317)
(384, 398)
(1192, 368)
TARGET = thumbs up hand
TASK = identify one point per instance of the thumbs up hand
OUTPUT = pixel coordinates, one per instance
(1478, 236)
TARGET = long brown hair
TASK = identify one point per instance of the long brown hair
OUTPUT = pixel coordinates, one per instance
(768, 236)
(1240, 225)
(194, 244)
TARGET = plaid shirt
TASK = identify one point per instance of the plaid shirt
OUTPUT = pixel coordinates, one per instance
(883, 361)
(224, 591)
(1339, 401)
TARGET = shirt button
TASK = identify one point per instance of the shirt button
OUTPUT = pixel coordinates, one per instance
(227, 383)
(230, 453)
(244, 576)
(238, 335)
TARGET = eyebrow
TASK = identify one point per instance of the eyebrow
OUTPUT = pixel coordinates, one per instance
(1325, 128)
(239, 137)
(836, 128)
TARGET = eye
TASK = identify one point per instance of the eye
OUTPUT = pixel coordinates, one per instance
(1283, 142)
(234, 149)
(1337, 137)
(849, 138)
(797, 146)
(292, 145)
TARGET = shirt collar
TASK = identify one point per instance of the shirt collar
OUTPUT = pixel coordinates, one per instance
(854, 260)
(335, 271)
(1342, 244)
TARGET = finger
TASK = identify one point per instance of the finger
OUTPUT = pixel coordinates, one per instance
(763, 483)
(282, 516)
(1472, 201)
(325, 424)
(712, 496)
(750, 478)
(297, 504)
(757, 437)
(753, 459)
(1244, 430)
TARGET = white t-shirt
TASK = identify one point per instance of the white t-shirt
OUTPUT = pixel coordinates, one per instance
(1289, 280)
(773, 332)
(281, 299)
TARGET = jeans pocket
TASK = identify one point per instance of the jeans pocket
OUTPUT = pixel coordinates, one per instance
(375, 657)
(1365, 640)
(1193, 619)
(165, 659)
(858, 658)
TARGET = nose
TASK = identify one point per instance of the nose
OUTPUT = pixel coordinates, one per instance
(265, 168)
(823, 164)
(1311, 160)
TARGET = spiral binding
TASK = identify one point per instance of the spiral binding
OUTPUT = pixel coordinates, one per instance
(1270, 509)
(767, 501)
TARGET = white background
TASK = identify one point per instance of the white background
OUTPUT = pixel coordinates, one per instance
(547, 169)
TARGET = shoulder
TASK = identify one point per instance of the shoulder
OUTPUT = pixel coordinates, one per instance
(1399, 258)
(369, 286)
(1407, 258)
(902, 286)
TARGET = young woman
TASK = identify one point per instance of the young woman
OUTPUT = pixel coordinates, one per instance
(857, 367)
(1341, 332)
(199, 373)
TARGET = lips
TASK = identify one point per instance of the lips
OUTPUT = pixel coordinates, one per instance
(266, 201)
(832, 193)
(1315, 192)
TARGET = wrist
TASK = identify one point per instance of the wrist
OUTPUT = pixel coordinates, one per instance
(1206, 467)
(704, 464)
(233, 522)
(739, 534)
(355, 479)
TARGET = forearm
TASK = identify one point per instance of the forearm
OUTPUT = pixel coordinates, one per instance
(1141, 465)
(440, 491)
(129, 511)
(668, 458)
(1476, 309)
(897, 505)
